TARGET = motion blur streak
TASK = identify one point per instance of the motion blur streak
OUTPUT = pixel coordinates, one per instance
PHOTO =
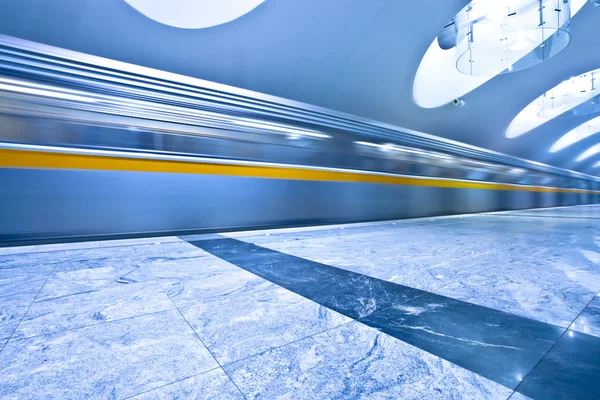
(92, 148)
(57, 160)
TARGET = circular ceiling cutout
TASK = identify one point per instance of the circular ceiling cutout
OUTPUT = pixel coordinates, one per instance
(194, 14)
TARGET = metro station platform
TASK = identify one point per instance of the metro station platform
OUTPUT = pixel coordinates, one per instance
(487, 306)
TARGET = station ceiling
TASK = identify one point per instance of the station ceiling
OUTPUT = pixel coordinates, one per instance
(355, 56)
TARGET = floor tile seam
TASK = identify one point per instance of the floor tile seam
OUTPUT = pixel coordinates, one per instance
(88, 325)
(557, 340)
(196, 334)
(107, 286)
(26, 311)
(214, 300)
(467, 303)
(22, 266)
(260, 353)
(81, 248)
(451, 362)
(435, 295)
(425, 292)
(172, 383)
(446, 285)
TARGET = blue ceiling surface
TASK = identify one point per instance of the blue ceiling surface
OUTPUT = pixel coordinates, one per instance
(355, 56)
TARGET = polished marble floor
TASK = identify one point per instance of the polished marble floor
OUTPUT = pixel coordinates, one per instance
(489, 306)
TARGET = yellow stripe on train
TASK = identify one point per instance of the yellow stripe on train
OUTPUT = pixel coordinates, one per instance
(11, 158)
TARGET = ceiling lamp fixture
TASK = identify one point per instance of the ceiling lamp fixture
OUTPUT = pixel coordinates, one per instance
(581, 91)
(194, 14)
(583, 131)
(492, 37)
(496, 37)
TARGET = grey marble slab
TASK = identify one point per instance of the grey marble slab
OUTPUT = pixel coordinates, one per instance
(18, 288)
(30, 260)
(44, 248)
(500, 346)
(240, 326)
(15, 281)
(204, 279)
(589, 319)
(533, 270)
(77, 277)
(112, 360)
(357, 362)
(100, 256)
(570, 370)
(171, 251)
(12, 310)
(211, 385)
(92, 307)
(351, 294)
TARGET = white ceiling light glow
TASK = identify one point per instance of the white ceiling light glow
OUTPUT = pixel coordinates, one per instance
(558, 100)
(581, 132)
(194, 14)
(592, 151)
(500, 42)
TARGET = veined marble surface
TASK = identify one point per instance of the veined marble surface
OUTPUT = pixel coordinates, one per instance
(236, 313)
(500, 346)
(546, 269)
(589, 319)
(171, 251)
(46, 248)
(357, 362)
(112, 360)
(34, 260)
(240, 326)
(349, 293)
(211, 385)
(92, 307)
(204, 279)
(570, 370)
(103, 324)
(18, 289)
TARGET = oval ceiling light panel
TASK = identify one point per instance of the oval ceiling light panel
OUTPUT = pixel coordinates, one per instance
(558, 100)
(583, 131)
(194, 14)
(447, 71)
(592, 151)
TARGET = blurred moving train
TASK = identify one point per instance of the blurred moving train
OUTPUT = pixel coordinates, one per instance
(93, 149)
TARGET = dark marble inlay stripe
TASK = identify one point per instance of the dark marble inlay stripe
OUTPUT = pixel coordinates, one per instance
(570, 370)
(349, 293)
(500, 346)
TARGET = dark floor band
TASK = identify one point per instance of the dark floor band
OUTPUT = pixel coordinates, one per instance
(503, 347)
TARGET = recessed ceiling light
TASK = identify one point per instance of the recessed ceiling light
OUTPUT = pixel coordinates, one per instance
(194, 14)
